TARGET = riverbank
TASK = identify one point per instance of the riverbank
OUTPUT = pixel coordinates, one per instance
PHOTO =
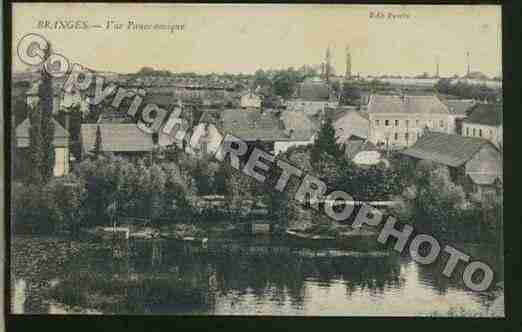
(261, 275)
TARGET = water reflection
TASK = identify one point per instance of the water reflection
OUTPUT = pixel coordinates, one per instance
(244, 276)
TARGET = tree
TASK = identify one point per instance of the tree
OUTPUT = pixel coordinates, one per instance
(35, 146)
(439, 205)
(98, 142)
(146, 71)
(261, 78)
(67, 196)
(350, 94)
(326, 143)
(443, 85)
(285, 82)
(45, 93)
(41, 131)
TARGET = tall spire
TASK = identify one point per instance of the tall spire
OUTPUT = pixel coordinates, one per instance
(328, 61)
(348, 73)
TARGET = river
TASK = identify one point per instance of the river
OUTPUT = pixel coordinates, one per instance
(243, 276)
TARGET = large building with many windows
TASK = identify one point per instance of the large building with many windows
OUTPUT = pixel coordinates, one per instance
(484, 121)
(399, 121)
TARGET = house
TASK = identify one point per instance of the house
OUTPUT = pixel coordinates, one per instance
(250, 99)
(260, 227)
(276, 133)
(352, 130)
(485, 121)
(301, 128)
(118, 138)
(205, 138)
(312, 97)
(458, 109)
(352, 123)
(60, 143)
(474, 158)
(398, 121)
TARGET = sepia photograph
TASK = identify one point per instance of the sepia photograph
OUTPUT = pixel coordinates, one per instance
(255, 160)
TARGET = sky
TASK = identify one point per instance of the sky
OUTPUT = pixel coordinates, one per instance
(244, 38)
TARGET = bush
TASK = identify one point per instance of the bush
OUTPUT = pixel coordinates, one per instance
(437, 205)
(32, 212)
(138, 189)
(55, 206)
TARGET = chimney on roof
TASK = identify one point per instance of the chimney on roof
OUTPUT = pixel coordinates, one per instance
(437, 67)
(468, 69)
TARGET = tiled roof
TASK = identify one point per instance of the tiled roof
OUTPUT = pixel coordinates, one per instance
(450, 150)
(353, 123)
(303, 128)
(211, 116)
(406, 104)
(486, 114)
(255, 125)
(313, 91)
(22, 134)
(116, 137)
(459, 106)
(335, 113)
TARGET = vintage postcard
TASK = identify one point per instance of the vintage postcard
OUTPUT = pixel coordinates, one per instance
(294, 160)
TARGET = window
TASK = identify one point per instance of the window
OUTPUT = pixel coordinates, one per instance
(490, 133)
(406, 136)
(480, 132)
(396, 136)
(376, 123)
(417, 122)
(407, 123)
(467, 131)
(386, 123)
(441, 123)
(396, 123)
(473, 132)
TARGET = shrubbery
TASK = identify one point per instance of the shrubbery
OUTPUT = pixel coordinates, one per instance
(138, 189)
(55, 206)
(435, 204)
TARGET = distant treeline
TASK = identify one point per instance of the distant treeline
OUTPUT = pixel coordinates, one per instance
(468, 91)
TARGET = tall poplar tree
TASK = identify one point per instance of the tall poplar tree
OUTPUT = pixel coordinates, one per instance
(41, 132)
(98, 142)
(35, 146)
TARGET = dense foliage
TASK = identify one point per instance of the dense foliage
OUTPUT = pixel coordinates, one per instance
(41, 132)
(52, 207)
(470, 91)
(438, 206)
(138, 188)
